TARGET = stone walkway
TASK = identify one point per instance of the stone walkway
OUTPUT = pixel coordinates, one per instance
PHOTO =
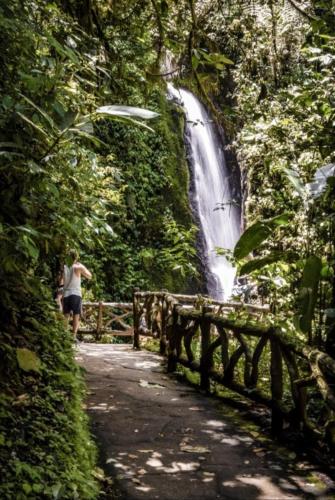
(161, 439)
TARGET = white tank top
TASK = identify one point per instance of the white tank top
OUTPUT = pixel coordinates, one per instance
(72, 282)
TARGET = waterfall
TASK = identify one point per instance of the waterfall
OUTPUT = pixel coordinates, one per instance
(212, 198)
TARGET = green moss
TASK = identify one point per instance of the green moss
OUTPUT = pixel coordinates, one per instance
(46, 448)
(176, 168)
(176, 171)
(151, 344)
(191, 376)
(318, 482)
(154, 179)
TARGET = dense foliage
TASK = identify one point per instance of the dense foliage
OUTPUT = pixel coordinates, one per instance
(266, 69)
(73, 175)
(115, 186)
(284, 97)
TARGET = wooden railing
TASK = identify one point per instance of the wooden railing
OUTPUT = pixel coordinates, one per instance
(236, 345)
(106, 318)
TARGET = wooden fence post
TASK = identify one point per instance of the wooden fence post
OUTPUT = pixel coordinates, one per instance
(162, 340)
(299, 394)
(276, 387)
(99, 321)
(172, 354)
(136, 319)
(206, 361)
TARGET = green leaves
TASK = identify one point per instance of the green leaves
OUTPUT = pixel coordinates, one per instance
(29, 247)
(32, 124)
(28, 361)
(257, 264)
(308, 292)
(251, 239)
(218, 61)
(45, 115)
(254, 236)
(63, 50)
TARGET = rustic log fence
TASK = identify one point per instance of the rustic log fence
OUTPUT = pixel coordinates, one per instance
(235, 345)
(107, 318)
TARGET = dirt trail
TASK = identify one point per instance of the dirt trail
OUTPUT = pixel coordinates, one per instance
(160, 439)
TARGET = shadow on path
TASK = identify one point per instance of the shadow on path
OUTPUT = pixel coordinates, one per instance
(160, 439)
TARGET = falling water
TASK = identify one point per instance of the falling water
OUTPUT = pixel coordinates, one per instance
(219, 215)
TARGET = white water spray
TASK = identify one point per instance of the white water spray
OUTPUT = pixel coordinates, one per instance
(212, 189)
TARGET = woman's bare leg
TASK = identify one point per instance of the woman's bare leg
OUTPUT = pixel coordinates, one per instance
(75, 324)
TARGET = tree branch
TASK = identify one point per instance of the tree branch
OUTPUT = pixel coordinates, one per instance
(164, 74)
(160, 31)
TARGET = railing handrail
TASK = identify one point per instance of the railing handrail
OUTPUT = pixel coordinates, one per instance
(175, 324)
(108, 304)
(108, 320)
(206, 299)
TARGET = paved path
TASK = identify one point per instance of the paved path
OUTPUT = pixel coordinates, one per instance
(161, 439)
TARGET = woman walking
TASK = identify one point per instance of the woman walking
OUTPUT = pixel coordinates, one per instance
(72, 296)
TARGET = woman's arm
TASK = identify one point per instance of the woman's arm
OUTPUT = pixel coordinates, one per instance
(84, 271)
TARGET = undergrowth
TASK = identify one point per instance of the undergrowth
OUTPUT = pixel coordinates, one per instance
(46, 449)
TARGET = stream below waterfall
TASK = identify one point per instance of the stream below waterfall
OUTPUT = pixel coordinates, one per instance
(212, 195)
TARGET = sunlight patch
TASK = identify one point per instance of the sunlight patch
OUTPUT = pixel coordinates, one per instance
(267, 490)
(146, 364)
(215, 423)
(231, 441)
(214, 435)
(145, 489)
(154, 462)
(186, 466)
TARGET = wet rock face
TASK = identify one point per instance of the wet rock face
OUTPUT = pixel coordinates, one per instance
(214, 193)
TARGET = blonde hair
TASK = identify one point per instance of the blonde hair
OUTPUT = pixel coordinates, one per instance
(74, 254)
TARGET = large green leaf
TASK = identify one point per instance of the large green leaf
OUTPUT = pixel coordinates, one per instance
(88, 136)
(127, 111)
(279, 220)
(309, 292)
(124, 114)
(33, 124)
(28, 360)
(215, 58)
(255, 264)
(130, 121)
(195, 62)
(294, 178)
(45, 115)
(251, 239)
(254, 235)
(63, 51)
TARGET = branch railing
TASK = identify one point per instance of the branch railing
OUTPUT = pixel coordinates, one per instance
(235, 345)
(107, 318)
